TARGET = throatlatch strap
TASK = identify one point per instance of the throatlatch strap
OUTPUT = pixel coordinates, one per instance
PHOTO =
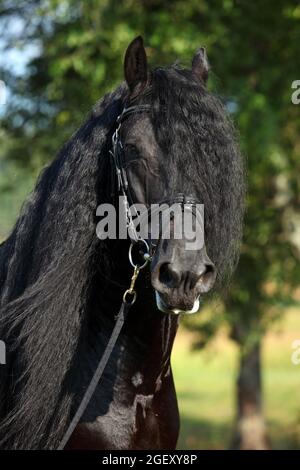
(121, 317)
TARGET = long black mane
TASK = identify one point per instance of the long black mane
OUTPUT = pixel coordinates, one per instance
(49, 262)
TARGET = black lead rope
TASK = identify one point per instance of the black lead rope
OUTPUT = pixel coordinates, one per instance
(129, 297)
(120, 319)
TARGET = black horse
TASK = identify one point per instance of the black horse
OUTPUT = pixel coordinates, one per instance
(60, 286)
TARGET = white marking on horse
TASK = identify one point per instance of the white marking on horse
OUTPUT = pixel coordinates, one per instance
(137, 379)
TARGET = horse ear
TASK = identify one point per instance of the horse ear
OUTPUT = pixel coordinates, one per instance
(200, 65)
(135, 63)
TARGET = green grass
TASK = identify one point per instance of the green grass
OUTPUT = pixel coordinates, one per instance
(205, 383)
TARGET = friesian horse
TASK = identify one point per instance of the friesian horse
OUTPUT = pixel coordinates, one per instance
(61, 286)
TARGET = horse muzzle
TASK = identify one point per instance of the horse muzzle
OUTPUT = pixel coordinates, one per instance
(180, 277)
(183, 309)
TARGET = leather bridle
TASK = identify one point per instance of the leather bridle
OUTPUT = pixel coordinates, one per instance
(119, 171)
(123, 188)
(129, 296)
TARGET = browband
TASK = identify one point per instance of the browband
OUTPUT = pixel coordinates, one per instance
(133, 109)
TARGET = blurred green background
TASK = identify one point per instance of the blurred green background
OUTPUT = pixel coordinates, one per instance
(236, 381)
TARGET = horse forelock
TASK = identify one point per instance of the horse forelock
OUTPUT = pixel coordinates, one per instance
(201, 153)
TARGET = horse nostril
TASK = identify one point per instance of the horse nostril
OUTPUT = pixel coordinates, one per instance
(209, 269)
(170, 280)
(168, 276)
(207, 278)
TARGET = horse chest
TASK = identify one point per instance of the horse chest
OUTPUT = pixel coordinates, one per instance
(124, 426)
(134, 405)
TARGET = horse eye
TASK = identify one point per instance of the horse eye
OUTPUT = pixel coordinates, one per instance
(131, 150)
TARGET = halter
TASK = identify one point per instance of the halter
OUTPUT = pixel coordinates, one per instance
(119, 173)
(130, 295)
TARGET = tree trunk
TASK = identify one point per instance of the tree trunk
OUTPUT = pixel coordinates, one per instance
(250, 432)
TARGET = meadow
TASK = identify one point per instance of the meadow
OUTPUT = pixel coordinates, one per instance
(205, 383)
